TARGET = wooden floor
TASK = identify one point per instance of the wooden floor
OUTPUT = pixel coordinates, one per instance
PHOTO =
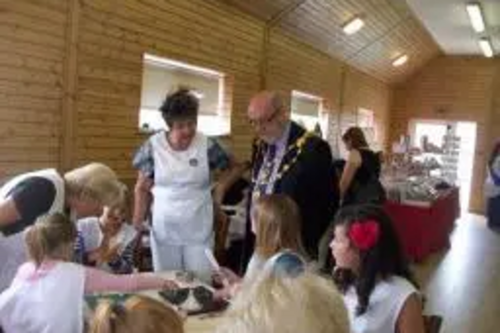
(462, 284)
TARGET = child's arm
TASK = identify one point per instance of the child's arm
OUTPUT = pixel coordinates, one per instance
(123, 263)
(100, 281)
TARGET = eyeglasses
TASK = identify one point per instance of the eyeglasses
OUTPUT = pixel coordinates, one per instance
(266, 121)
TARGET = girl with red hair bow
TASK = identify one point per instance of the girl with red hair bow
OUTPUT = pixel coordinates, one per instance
(373, 274)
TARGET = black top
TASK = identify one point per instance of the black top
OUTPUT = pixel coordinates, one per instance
(365, 187)
(311, 182)
(370, 166)
(33, 197)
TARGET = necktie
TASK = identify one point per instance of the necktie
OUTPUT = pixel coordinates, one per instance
(267, 168)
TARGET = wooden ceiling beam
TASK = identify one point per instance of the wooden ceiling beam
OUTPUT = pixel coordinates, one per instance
(381, 37)
(276, 19)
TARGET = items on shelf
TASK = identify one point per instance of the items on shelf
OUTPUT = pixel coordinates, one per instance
(417, 191)
(450, 158)
(416, 176)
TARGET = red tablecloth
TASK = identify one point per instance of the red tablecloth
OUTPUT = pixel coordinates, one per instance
(423, 230)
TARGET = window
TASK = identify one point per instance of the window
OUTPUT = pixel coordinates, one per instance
(365, 118)
(161, 75)
(366, 121)
(307, 112)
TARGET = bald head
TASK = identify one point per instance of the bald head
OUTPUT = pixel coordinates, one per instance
(268, 115)
(264, 104)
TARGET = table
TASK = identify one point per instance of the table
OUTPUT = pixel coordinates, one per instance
(193, 324)
(205, 323)
(424, 230)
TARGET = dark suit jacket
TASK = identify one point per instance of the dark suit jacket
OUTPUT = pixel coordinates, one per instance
(311, 182)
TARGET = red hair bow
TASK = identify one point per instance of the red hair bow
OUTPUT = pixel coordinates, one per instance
(364, 234)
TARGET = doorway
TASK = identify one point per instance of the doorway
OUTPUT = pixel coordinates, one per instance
(435, 130)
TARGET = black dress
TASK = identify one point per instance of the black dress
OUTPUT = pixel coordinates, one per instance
(366, 188)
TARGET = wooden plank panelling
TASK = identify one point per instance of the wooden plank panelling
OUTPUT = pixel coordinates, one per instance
(263, 9)
(114, 35)
(390, 30)
(32, 41)
(71, 72)
(362, 91)
(455, 89)
(293, 65)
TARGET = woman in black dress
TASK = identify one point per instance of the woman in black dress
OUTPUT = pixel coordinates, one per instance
(359, 183)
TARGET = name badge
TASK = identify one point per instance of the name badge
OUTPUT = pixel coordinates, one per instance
(193, 162)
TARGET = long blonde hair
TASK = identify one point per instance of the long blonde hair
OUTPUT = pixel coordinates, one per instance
(280, 304)
(51, 236)
(138, 314)
(278, 225)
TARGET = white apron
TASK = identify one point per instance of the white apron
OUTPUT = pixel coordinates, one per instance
(182, 210)
(12, 249)
(49, 304)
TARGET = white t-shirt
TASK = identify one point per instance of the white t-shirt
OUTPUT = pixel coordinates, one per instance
(386, 302)
(51, 303)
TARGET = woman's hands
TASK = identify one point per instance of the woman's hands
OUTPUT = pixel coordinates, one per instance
(225, 276)
(170, 284)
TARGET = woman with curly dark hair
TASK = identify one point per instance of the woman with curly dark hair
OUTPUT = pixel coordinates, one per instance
(379, 291)
(174, 183)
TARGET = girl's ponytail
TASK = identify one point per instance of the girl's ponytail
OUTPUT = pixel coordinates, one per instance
(109, 318)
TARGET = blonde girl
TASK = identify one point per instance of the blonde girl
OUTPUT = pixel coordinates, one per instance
(276, 224)
(137, 315)
(287, 298)
(47, 292)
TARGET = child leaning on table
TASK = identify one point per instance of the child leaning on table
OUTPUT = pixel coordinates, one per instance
(106, 242)
(138, 314)
(47, 294)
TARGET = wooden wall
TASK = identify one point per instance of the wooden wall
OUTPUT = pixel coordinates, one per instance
(343, 88)
(113, 37)
(293, 65)
(71, 92)
(361, 91)
(459, 89)
(32, 57)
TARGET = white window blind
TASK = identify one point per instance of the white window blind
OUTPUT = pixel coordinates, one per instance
(306, 110)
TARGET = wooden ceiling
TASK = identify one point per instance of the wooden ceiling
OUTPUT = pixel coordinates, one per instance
(390, 30)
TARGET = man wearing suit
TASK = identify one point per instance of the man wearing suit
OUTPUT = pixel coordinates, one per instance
(287, 159)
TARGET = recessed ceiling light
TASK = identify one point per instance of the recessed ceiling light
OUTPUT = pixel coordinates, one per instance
(399, 61)
(353, 26)
(485, 45)
(476, 16)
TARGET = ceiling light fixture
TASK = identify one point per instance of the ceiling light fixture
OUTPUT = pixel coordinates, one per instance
(399, 61)
(485, 45)
(353, 26)
(476, 16)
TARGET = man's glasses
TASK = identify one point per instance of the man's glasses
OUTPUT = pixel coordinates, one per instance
(265, 121)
